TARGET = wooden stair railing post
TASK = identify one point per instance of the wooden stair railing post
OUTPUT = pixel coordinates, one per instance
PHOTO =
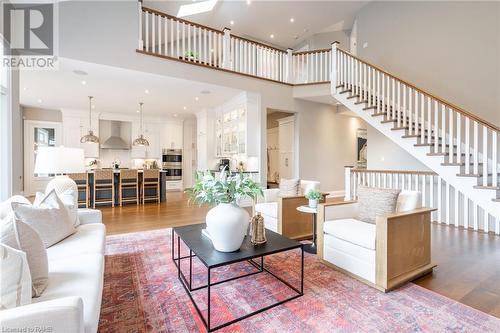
(226, 49)
(347, 182)
(334, 69)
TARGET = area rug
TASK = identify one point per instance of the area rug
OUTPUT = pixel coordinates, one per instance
(142, 294)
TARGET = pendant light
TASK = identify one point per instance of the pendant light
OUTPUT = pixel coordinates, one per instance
(90, 137)
(141, 141)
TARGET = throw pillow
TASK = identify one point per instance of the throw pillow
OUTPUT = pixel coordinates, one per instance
(289, 187)
(49, 218)
(373, 202)
(15, 284)
(6, 207)
(21, 236)
(68, 199)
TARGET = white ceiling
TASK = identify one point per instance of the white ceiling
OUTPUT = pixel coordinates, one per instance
(117, 90)
(259, 19)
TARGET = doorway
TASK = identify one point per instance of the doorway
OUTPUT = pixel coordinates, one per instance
(38, 134)
(281, 152)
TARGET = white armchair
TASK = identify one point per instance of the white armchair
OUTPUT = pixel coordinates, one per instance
(280, 213)
(393, 251)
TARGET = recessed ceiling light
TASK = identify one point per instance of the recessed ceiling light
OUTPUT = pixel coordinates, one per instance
(93, 106)
(185, 108)
(80, 72)
(231, 22)
(25, 88)
(249, 2)
(175, 114)
(292, 20)
(272, 36)
(146, 91)
(196, 98)
(84, 82)
(39, 100)
(137, 111)
(205, 92)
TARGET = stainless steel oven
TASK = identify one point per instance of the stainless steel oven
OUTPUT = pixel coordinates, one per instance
(172, 163)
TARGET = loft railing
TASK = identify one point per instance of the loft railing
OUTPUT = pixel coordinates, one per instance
(173, 38)
(453, 207)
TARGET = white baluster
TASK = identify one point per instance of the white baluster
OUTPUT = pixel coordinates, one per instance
(447, 203)
(476, 148)
(404, 106)
(486, 224)
(178, 39)
(436, 126)
(485, 155)
(475, 216)
(336, 66)
(422, 118)
(494, 158)
(459, 138)
(424, 190)
(140, 45)
(355, 184)
(439, 200)
(497, 225)
(467, 145)
(153, 33)
(394, 113)
(347, 183)
(429, 121)
(450, 137)
(466, 211)
(183, 53)
(443, 128)
(410, 112)
(159, 34)
(399, 104)
(146, 21)
(432, 190)
(456, 216)
(165, 36)
(226, 49)
(171, 38)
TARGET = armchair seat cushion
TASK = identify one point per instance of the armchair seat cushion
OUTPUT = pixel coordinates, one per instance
(269, 209)
(352, 231)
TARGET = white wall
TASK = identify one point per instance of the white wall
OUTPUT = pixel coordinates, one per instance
(450, 48)
(383, 154)
(17, 138)
(324, 40)
(327, 143)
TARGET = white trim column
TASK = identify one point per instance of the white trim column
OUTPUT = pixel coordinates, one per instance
(347, 183)
(226, 49)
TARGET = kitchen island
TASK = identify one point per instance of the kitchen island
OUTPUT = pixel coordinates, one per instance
(116, 181)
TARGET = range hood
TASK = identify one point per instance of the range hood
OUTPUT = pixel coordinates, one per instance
(118, 134)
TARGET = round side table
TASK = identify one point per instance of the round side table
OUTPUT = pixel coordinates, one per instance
(310, 248)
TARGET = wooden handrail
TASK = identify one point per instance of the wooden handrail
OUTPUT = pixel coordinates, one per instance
(154, 11)
(259, 43)
(401, 172)
(440, 100)
(312, 51)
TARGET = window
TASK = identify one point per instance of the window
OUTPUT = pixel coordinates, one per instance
(5, 129)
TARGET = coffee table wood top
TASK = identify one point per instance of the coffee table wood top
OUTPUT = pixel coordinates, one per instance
(202, 246)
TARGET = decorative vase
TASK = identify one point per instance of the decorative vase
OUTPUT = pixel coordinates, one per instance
(227, 225)
(313, 203)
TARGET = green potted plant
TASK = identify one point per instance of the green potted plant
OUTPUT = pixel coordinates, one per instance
(227, 223)
(314, 197)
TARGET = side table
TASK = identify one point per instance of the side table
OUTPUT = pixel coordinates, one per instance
(310, 248)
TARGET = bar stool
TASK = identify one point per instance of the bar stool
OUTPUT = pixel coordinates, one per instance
(104, 182)
(82, 182)
(151, 184)
(129, 186)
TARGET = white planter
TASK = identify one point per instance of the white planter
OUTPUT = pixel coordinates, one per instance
(227, 225)
(313, 203)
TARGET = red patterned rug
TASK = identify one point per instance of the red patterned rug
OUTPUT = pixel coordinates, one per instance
(142, 294)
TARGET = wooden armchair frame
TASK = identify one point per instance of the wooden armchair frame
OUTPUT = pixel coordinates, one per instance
(402, 250)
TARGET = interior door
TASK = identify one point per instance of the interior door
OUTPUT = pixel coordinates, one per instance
(38, 134)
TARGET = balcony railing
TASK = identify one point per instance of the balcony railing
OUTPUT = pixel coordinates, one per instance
(170, 37)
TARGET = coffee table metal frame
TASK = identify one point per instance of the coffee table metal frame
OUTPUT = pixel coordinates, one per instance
(187, 283)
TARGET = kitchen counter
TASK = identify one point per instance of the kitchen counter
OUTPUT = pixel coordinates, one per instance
(118, 170)
(235, 171)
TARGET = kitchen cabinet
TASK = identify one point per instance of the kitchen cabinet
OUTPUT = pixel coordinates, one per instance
(171, 136)
(231, 131)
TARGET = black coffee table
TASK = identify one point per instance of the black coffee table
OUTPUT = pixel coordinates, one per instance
(201, 247)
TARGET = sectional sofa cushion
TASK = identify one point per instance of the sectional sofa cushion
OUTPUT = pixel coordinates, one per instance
(15, 284)
(49, 218)
(375, 202)
(352, 231)
(88, 238)
(21, 236)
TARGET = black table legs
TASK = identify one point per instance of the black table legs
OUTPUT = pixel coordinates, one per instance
(311, 248)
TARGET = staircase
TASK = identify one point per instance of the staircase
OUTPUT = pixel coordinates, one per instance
(459, 146)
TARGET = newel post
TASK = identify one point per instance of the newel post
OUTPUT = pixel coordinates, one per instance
(289, 66)
(141, 41)
(226, 49)
(347, 183)
(334, 73)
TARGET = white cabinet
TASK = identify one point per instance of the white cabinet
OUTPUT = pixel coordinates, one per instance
(171, 136)
(286, 138)
(231, 131)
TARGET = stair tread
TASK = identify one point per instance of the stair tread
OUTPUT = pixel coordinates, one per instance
(487, 187)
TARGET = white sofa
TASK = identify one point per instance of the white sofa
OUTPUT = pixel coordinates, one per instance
(280, 214)
(384, 255)
(71, 303)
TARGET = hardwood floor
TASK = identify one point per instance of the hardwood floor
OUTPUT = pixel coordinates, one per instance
(468, 262)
